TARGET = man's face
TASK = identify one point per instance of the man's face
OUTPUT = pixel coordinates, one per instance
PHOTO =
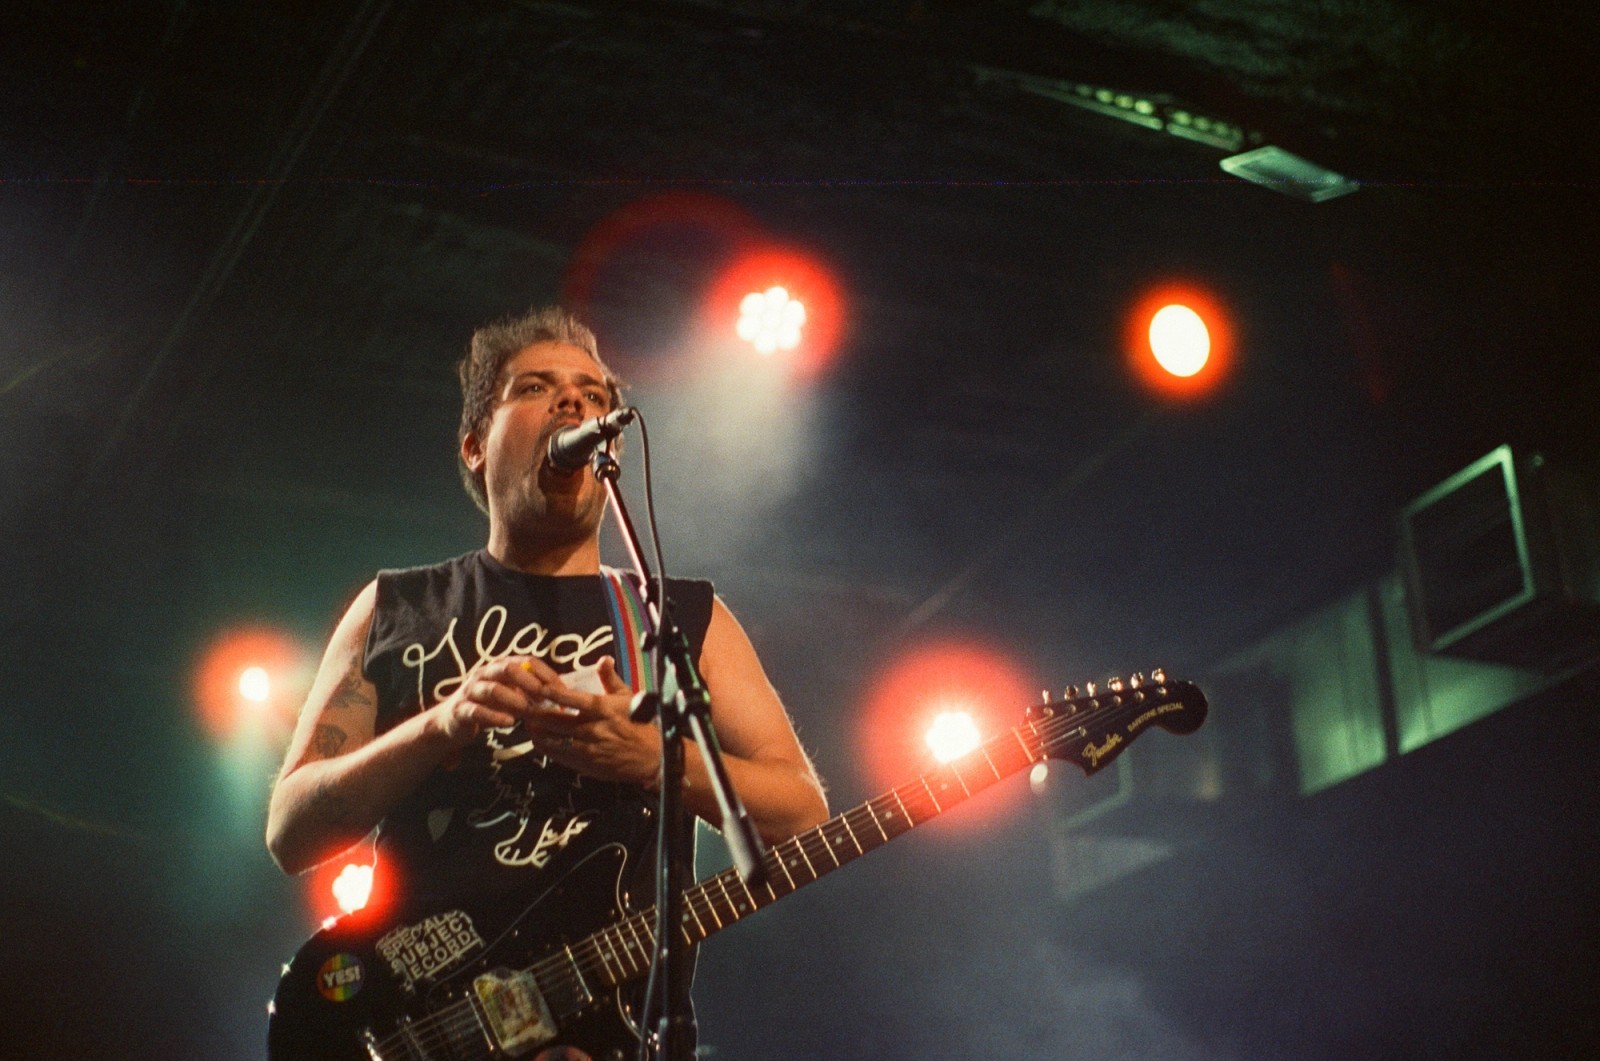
(541, 389)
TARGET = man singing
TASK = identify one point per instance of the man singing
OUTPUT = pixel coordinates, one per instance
(476, 711)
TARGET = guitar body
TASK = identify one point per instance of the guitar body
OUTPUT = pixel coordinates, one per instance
(417, 969)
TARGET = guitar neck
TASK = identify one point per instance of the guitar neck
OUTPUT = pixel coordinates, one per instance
(622, 951)
(720, 900)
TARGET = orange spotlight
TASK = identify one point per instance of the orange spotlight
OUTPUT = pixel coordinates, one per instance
(1178, 340)
(352, 883)
(934, 703)
(250, 674)
(784, 303)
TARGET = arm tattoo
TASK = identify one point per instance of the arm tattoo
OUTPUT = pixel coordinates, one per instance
(327, 740)
(348, 694)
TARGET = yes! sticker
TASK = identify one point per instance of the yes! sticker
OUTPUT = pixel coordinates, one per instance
(340, 977)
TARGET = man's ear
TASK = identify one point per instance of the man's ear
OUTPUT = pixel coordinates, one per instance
(472, 452)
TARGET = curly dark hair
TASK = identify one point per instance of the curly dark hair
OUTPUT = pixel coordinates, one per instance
(495, 344)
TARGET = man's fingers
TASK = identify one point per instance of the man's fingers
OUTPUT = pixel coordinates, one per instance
(522, 668)
(610, 680)
(495, 719)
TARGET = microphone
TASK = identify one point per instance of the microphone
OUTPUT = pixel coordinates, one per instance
(571, 447)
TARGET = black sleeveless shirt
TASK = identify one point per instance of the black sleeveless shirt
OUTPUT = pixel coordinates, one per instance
(501, 816)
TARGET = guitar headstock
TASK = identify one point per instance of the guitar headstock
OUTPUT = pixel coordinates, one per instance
(1092, 726)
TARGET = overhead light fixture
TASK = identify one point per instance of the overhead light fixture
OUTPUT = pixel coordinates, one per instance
(1270, 167)
(1296, 177)
(1157, 112)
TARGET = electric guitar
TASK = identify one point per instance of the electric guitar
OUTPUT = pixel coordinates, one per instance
(481, 982)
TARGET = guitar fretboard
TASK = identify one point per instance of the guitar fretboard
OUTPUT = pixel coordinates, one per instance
(624, 950)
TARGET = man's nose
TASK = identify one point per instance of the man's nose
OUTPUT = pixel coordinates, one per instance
(568, 399)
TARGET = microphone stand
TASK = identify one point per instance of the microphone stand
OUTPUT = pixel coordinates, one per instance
(686, 713)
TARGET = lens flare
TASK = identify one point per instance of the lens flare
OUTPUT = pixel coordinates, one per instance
(770, 320)
(352, 887)
(952, 735)
(255, 685)
(960, 691)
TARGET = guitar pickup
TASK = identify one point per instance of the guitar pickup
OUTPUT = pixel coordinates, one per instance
(514, 1011)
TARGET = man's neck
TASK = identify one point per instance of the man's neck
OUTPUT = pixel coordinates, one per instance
(546, 558)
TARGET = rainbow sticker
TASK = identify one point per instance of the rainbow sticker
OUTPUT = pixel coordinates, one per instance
(340, 977)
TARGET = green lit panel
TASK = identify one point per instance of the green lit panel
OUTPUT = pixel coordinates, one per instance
(1436, 694)
(1335, 700)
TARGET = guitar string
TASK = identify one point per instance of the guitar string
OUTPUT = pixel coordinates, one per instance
(455, 1016)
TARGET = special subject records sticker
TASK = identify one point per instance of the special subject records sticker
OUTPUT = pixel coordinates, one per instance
(340, 977)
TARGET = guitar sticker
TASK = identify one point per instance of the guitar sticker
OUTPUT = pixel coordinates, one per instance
(427, 948)
(340, 977)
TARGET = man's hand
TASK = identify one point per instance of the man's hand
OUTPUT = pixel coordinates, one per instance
(589, 732)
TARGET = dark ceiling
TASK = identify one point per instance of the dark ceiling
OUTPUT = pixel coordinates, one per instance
(242, 245)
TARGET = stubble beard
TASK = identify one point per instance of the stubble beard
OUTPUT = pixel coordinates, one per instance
(540, 516)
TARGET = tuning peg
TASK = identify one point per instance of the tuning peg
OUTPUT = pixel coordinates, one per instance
(1159, 676)
(1135, 680)
(1069, 693)
(1088, 688)
(1044, 696)
(1115, 685)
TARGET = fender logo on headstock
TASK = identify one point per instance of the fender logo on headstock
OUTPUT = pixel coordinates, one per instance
(1094, 754)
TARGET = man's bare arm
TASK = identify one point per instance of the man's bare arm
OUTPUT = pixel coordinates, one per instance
(338, 780)
(766, 763)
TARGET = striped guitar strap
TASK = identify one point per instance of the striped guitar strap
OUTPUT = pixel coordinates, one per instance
(626, 602)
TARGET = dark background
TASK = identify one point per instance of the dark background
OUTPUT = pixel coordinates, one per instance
(241, 247)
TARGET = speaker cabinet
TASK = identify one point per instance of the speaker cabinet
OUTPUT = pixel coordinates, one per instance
(1502, 565)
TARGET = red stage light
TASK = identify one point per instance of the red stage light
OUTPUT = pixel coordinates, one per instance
(353, 883)
(250, 674)
(1196, 309)
(804, 279)
(946, 678)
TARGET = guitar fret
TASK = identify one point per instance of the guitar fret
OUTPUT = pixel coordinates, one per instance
(728, 903)
(634, 946)
(731, 887)
(845, 820)
(829, 841)
(903, 811)
(876, 822)
(603, 944)
(800, 846)
(688, 912)
(766, 882)
(605, 967)
(931, 797)
(827, 846)
(711, 901)
(1026, 751)
(750, 905)
(997, 774)
(578, 972)
(643, 944)
(782, 863)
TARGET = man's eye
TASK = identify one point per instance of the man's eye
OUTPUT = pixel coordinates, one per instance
(596, 398)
